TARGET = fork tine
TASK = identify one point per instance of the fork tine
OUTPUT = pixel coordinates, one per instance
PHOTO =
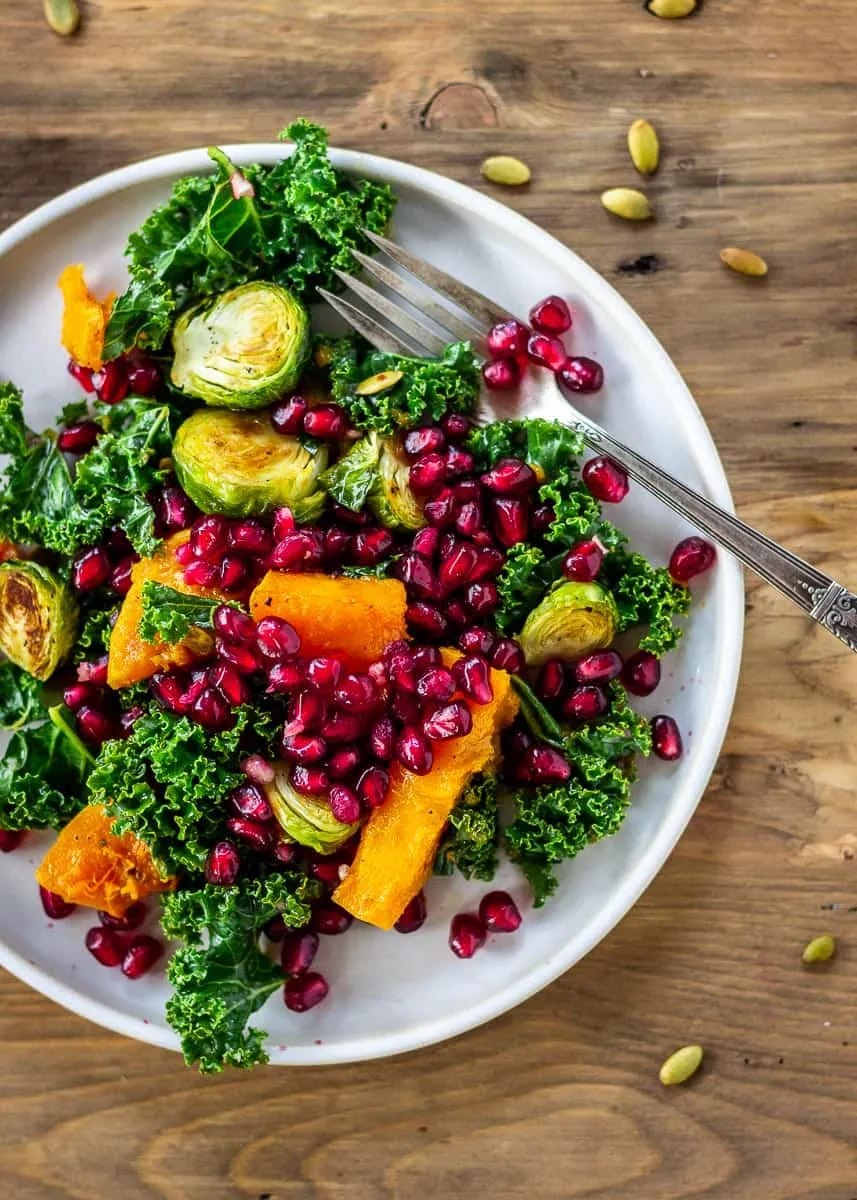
(381, 338)
(416, 294)
(477, 306)
(420, 334)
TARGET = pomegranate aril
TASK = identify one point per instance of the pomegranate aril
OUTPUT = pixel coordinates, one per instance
(473, 676)
(323, 673)
(510, 477)
(511, 520)
(257, 769)
(606, 480)
(405, 707)
(477, 640)
(234, 625)
(413, 751)
(90, 569)
(426, 541)
(83, 375)
(285, 853)
(550, 682)
(298, 951)
(303, 747)
(424, 657)
(642, 673)
(343, 727)
(427, 473)
(458, 462)
(285, 677)
(174, 507)
(585, 703)
(120, 576)
(546, 350)
(305, 992)
(275, 929)
(212, 711)
(598, 667)
(184, 554)
(254, 833)
(543, 764)
(401, 671)
(551, 315)
(424, 441)
(297, 549)
(96, 726)
(440, 510)
(666, 738)
(287, 415)
(508, 656)
(413, 915)
(111, 382)
(141, 956)
(501, 374)
(309, 781)
(467, 490)
(458, 614)
(54, 905)
(416, 574)
(209, 538)
(373, 785)
(105, 945)
(337, 544)
(130, 717)
(506, 339)
(466, 935)
(382, 739)
(248, 800)
(469, 518)
(250, 537)
(230, 683)
(132, 918)
(447, 721)
(489, 561)
(168, 691)
(455, 568)
(343, 763)
(482, 598)
(94, 671)
(326, 422)
(326, 871)
(144, 379)
(10, 839)
(437, 684)
(284, 522)
(426, 618)
(370, 546)
(456, 426)
(690, 558)
(277, 639)
(357, 693)
(542, 517)
(582, 374)
(344, 804)
(583, 561)
(349, 516)
(242, 656)
(499, 913)
(78, 437)
(331, 920)
(201, 574)
(78, 694)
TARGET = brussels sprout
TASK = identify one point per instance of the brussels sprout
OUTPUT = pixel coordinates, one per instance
(243, 348)
(571, 620)
(374, 473)
(38, 617)
(236, 464)
(306, 819)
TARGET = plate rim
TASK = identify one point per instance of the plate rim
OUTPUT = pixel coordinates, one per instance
(729, 587)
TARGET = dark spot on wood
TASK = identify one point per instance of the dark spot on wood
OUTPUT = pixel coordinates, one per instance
(458, 106)
(500, 67)
(746, 1062)
(797, 424)
(644, 264)
(780, 1061)
(383, 125)
(424, 1128)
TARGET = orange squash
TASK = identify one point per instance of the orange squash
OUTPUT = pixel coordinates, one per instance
(355, 618)
(399, 841)
(130, 658)
(84, 318)
(89, 865)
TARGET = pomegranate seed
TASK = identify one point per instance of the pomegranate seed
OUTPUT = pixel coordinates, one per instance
(510, 477)
(225, 677)
(551, 315)
(326, 872)
(78, 694)
(469, 518)
(285, 677)
(144, 379)
(132, 918)
(666, 738)
(284, 522)
(141, 956)
(120, 576)
(482, 598)
(373, 785)
(417, 575)
(174, 507)
(440, 510)
(83, 375)
(303, 747)
(489, 561)
(275, 930)
(201, 574)
(585, 703)
(94, 671)
(331, 920)
(357, 693)
(438, 683)
(234, 625)
(551, 679)
(507, 339)
(96, 726)
(305, 992)
(456, 426)
(55, 906)
(466, 935)
(211, 710)
(90, 569)
(477, 641)
(287, 415)
(323, 673)
(370, 546)
(337, 544)
(518, 741)
(413, 915)
(511, 520)
(10, 839)
(402, 672)
(244, 657)
(508, 656)
(344, 804)
(259, 837)
(343, 762)
(583, 561)
(447, 721)
(425, 542)
(298, 549)
(547, 351)
(285, 853)
(184, 554)
(111, 382)
(606, 480)
(382, 739)
(377, 672)
(501, 374)
(348, 516)
(424, 657)
(250, 537)
(343, 727)
(542, 518)
(78, 437)
(499, 913)
(326, 422)
(690, 558)
(299, 949)
(457, 614)
(427, 473)
(458, 462)
(130, 717)
(455, 568)
(277, 639)
(413, 751)
(194, 689)
(426, 618)
(543, 764)
(105, 945)
(309, 781)
(257, 769)
(642, 673)
(424, 441)
(582, 374)
(306, 709)
(474, 678)
(247, 800)
(598, 667)
(209, 538)
(168, 691)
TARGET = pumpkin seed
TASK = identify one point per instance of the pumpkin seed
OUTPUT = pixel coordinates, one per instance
(670, 9)
(502, 168)
(63, 16)
(820, 949)
(643, 147)
(382, 382)
(681, 1065)
(743, 261)
(627, 203)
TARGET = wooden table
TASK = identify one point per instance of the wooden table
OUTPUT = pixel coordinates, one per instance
(754, 100)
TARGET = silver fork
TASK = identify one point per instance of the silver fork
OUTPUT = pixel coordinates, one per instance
(457, 311)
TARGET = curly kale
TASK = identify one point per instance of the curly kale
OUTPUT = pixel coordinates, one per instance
(43, 772)
(470, 842)
(646, 596)
(93, 641)
(169, 614)
(20, 697)
(220, 977)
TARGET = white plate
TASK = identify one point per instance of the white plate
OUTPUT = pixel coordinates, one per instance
(390, 992)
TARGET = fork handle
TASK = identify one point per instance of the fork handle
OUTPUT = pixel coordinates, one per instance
(826, 601)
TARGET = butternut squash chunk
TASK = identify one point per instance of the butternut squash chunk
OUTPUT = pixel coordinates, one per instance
(84, 318)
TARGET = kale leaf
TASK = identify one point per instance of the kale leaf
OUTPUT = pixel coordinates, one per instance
(470, 842)
(169, 614)
(646, 596)
(42, 774)
(20, 697)
(93, 641)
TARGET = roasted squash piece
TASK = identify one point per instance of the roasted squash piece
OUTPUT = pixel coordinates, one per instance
(399, 841)
(355, 618)
(89, 865)
(130, 658)
(84, 318)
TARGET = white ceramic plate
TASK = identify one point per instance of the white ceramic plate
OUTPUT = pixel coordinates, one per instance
(389, 992)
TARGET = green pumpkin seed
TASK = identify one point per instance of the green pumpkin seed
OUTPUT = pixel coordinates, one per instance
(671, 9)
(820, 949)
(63, 16)
(382, 382)
(502, 168)
(627, 203)
(681, 1065)
(643, 147)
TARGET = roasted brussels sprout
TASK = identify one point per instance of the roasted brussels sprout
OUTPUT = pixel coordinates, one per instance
(374, 473)
(243, 348)
(235, 463)
(571, 620)
(38, 617)
(306, 819)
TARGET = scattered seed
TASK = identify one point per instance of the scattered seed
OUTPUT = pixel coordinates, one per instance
(626, 203)
(502, 168)
(671, 9)
(63, 16)
(820, 949)
(382, 382)
(680, 1066)
(743, 261)
(643, 146)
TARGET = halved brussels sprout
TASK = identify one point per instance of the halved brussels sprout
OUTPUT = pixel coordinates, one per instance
(373, 472)
(38, 617)
(571, 620)
(243, 348)
(237, 464)
(306, 819)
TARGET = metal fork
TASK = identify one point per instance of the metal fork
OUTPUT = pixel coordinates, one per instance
(441, 308)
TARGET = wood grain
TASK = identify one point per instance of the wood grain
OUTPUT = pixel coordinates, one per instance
(754, 101)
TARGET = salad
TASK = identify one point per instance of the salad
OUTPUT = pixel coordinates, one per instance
(284, 631)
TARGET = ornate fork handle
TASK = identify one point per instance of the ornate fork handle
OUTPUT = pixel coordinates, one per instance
(826, 601)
